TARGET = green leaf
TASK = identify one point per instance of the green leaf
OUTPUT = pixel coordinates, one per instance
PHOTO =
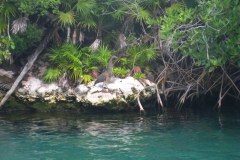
(66, 18)
(211, 69)
(52, 74)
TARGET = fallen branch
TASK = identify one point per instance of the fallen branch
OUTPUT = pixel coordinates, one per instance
(29, 64)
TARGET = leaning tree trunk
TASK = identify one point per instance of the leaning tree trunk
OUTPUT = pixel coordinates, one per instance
(29, 64)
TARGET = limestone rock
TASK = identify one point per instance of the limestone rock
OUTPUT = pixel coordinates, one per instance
(118, 92)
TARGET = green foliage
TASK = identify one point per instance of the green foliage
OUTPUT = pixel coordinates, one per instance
(3, 24)
(190, 3)
(121, 72)
(139, 76)
(86, 78)
(140, 55)
(52, 74)
(103, 55)
(40, 7)
(208, 34)
(24, 40)
(5, 45)
(80, 11)
(66, 18)
(67, 57)
(72, 59)
(85, 7)
(6, 10)
(120, 13)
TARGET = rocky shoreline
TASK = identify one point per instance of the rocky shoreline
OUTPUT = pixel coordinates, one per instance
(120, 95)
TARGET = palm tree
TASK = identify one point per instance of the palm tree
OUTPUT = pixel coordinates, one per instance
(77, 13)
(7, 10)
(66, 19)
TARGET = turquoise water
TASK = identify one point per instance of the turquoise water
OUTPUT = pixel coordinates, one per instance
(101, 136)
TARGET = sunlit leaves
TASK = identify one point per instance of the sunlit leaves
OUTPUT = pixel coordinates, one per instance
(139, 76)
(78, 62)
(121, 72)
(142, 15)
(68, 58)
(66, 18)
(141, 55)
(103, 55)
(86, 78)
(52, 74)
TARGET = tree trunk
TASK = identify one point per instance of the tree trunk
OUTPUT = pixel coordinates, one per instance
(29, 64)
(68, 33)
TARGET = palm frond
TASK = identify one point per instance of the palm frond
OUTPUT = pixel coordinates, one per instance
(103, 54)
(139, 76)
(76, 74)
(120, 13)
(140, 55)
(7, 10)
(19, 25)
(69, 57)
(121, 72)
(52, 74)
(3, 24)
(66, 18)
(88, 23)
(148, 53)
(86, 78)
(142, 14)
(175, 7)
(85, 7)
(151, 3)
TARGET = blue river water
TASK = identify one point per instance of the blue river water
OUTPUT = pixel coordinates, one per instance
(120, 136)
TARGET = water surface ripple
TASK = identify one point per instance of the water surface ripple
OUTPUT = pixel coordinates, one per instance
(173, 135)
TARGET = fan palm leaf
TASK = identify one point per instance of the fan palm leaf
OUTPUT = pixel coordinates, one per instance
(7, 10)
(142, 14)
(75, 74)
(86, 78)
(85, 7)
(52, 74)
(103, 54)
(120, 13)
(88, 23)
(66, 18)
(151, 3)
(19, 25)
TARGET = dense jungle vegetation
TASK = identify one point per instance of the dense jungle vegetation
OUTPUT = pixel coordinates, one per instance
(189, 48)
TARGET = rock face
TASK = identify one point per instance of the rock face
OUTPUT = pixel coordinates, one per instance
(120, 94)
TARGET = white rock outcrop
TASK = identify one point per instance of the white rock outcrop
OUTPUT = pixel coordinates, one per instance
(119, 91)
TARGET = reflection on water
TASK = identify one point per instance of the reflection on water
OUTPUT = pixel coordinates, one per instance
(174, 135)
